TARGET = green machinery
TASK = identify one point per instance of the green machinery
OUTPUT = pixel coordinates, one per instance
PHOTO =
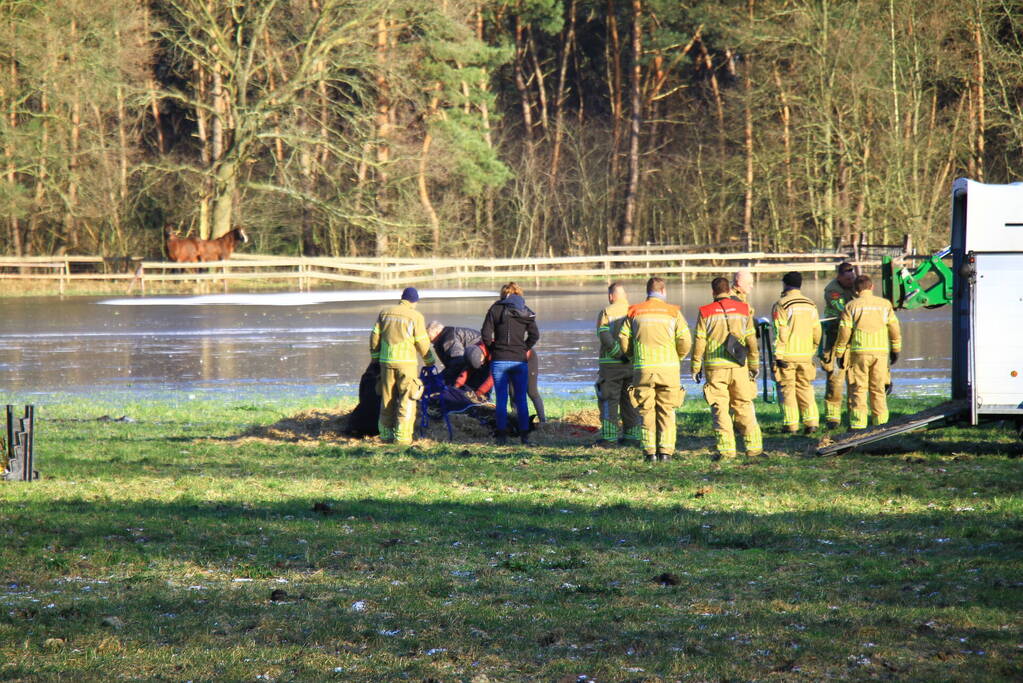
(929, 285)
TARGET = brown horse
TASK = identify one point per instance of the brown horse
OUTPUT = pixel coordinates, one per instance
(221, 248)
(180, 249)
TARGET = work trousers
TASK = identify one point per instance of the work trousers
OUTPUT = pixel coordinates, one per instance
(834, 387)
(868, 375)
(730, 393)
(795, 384)
(837, 378)
(614, 386)
(399, 388)
(657, 393)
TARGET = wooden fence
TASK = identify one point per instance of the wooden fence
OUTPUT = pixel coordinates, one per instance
(392, 272)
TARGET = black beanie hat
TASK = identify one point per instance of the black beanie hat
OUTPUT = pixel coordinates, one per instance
(793, 279)
(410, 294)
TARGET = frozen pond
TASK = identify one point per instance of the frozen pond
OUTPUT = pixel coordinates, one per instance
(265, 345)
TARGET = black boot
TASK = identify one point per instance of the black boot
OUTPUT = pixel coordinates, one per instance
(502, 438)
(524, 438)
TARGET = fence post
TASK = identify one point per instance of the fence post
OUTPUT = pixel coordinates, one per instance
(64, 272)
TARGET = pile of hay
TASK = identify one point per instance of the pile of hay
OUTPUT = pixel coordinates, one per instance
(317, 426)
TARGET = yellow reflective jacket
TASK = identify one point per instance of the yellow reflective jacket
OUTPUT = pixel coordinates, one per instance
(655, 336)
(835, 299)
(797, 327)
(609, 325)
(744, 298)
(712, 327)
(868, 326)
(399, 337)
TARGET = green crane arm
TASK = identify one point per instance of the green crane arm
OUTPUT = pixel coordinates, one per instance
(907, 289)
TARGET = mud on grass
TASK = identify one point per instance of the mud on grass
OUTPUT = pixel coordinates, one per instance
(316, 426)
(166, 548)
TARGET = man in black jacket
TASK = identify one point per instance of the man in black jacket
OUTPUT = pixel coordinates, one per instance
(450, 345)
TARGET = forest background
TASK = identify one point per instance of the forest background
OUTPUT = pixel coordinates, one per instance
(497, 127)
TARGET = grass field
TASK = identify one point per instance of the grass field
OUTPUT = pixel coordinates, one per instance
(167, 548)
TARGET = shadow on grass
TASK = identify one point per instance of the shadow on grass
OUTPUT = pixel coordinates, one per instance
(204, 532)
(451, 570)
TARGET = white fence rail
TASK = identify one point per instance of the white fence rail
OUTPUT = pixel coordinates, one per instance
(402, 271)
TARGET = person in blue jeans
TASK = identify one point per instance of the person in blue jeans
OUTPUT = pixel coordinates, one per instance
(509, 331)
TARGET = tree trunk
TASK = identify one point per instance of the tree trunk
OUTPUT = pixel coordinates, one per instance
(747, 81)
(223, 201)
(205, 150)
(10, 95)
(424, 155)
(70, 229)
(559, 102)
(627, 231)
(219, 120)
(614, 85)
(383, 131)
(978, 39)
(786, 131)
(521, 87)
(154, 103)
(541, 85)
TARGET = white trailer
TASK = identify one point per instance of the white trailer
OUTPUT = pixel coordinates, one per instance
(987, 304)
(987, 317)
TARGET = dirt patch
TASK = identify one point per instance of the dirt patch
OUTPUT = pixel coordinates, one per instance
(309, 425)
(312, 427)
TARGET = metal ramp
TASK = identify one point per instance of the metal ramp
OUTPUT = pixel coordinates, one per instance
(938, 416)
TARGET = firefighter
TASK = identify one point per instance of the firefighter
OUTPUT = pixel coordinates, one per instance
(797, 333)
(657, 338)
(730, 387)
(837, 294)
(870, 332)
(742, 288)
(398, 337)
(614, 378)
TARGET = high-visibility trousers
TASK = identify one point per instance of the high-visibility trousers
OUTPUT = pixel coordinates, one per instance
(614, 395)
(837, 379)
(834, 387)
(399, 388)
(730, 393)
(795, 385)
(657, 393)
(868, 375)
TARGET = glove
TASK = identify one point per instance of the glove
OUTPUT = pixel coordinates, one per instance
(893, 357)
(431, 369)
(697, 376)
(840, 362)
(754, 373)
(781, 363)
